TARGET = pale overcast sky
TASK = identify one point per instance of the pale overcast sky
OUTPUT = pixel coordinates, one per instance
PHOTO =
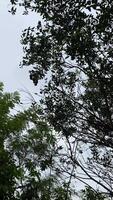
(11, 53)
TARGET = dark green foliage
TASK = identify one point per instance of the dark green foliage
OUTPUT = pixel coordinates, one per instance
(89, 194)
(8, 170)
(27, 153)
(71, 49)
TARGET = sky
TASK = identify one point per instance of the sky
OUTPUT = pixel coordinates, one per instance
(11, 26)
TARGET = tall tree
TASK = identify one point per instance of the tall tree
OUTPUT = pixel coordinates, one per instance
(28, 152)
(72, 50)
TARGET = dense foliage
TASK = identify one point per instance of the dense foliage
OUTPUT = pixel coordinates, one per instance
(71, 49)
(27, 153)
(89, 193)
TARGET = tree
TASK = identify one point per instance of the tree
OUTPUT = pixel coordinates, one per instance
(8, 170)
(27, 153)
(72, 50)
(88, 194)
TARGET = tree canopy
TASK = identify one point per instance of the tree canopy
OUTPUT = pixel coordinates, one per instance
(71, 51)
(89, 193)
(27, 153)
